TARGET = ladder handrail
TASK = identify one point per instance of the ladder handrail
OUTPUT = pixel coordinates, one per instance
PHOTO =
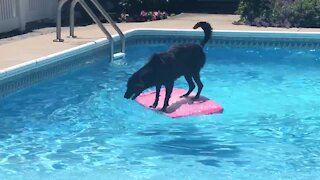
(106, 16)
(113, 24)
(72, 6)
(58, 28)
(94, 18)
(98, 22)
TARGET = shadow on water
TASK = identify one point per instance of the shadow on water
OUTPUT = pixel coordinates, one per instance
(190, 141)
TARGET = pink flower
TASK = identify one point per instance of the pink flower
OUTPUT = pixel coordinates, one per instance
(143, 13)
(154, 17)
(156, 13)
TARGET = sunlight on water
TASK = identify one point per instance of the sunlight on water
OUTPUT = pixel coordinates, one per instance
(80, 126)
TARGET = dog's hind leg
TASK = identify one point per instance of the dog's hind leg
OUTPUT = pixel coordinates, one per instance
(169, 87)
(191, 85)
(155, 104)
(196, 78)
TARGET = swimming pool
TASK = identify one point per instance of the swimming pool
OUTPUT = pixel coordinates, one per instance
(78, 125)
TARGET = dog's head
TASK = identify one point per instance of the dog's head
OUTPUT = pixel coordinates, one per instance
(143, 78)
(136, 85)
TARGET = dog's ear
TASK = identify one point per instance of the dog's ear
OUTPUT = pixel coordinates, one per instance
(140, 82)
(155, 57)
(142, 76)
(156, 60)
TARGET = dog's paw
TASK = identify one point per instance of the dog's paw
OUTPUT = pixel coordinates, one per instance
(153, 106)
(164, 109)
(185, 95)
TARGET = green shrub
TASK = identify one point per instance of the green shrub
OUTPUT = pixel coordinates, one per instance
(251, 9)
(306, 13)
(131, 6)
(280, 13)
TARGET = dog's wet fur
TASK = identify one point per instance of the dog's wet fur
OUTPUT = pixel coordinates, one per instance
(165, 67)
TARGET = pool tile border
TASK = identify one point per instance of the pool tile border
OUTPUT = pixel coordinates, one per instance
(30, 77)
(234, 38)
(29, 73)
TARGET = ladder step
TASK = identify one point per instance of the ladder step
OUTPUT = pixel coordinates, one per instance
(119, 55)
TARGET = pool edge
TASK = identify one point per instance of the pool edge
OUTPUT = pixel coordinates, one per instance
(51, 59)
(55, 57)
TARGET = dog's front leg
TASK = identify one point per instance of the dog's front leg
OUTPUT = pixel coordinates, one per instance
(155, 104)
(169, 87)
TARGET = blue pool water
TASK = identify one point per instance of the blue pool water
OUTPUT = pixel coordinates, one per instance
(79, 125)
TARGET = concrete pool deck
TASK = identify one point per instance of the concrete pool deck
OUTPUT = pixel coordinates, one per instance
(39, 43)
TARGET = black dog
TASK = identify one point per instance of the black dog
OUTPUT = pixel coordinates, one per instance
(164, 68)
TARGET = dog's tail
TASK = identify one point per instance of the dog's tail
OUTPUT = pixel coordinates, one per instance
(206, 27)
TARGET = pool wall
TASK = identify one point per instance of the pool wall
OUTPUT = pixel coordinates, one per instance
(24, 75)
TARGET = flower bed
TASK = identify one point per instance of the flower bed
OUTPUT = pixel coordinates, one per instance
(144, 16)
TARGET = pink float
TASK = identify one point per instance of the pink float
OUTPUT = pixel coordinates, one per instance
(180, 107)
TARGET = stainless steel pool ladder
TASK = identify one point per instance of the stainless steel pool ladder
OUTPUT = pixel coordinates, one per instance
(96, 20)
